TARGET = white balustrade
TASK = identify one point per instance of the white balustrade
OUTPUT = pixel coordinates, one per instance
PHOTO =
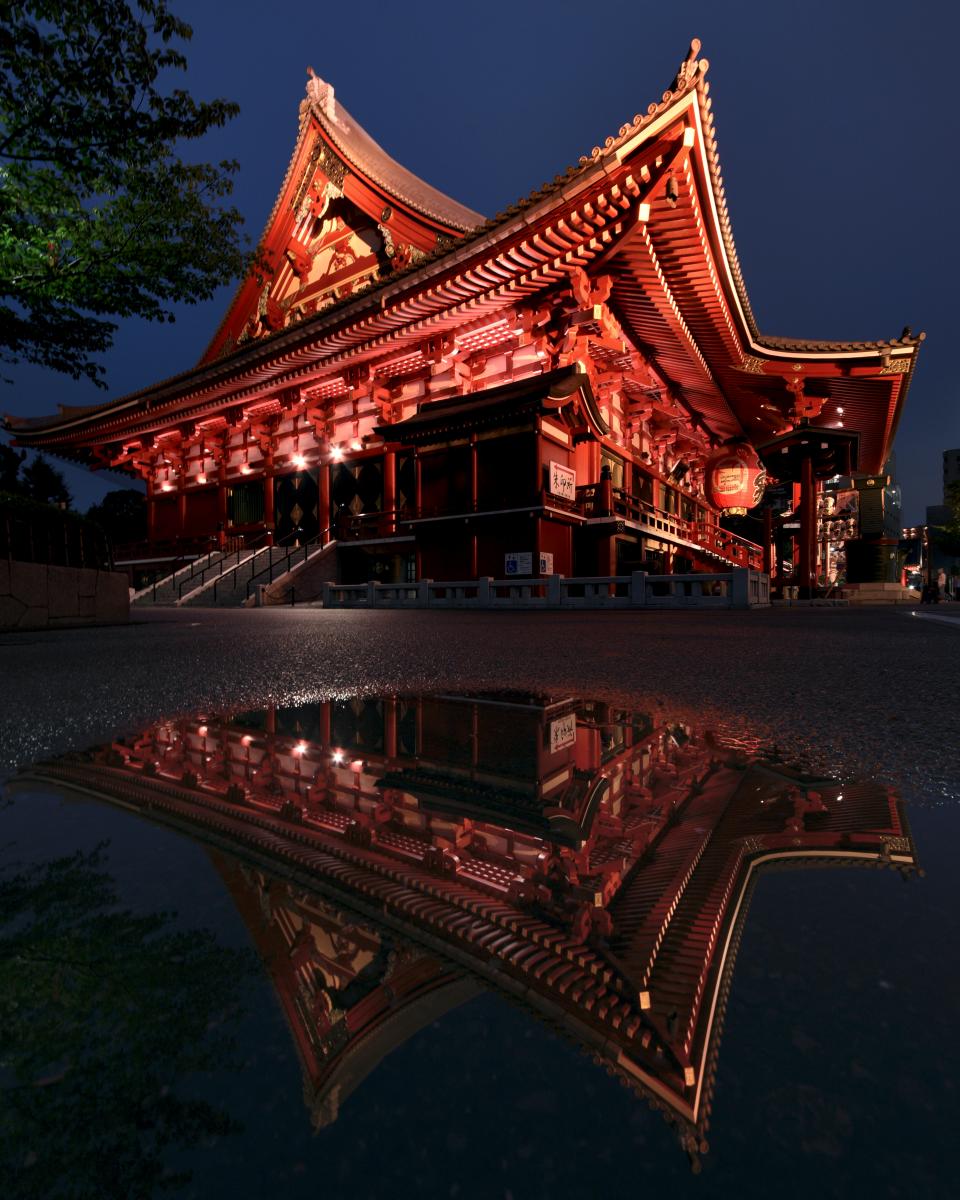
(736, 588)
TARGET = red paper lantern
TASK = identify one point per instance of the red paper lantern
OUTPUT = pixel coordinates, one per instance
(735, 479)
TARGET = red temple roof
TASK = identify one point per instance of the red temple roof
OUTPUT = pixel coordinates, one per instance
(646, 212)
(368, 157)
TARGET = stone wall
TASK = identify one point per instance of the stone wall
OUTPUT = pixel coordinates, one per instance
(38, 596)
(306, 581)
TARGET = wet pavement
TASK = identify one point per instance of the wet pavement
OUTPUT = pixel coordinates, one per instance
(534, 939)
(865, 691)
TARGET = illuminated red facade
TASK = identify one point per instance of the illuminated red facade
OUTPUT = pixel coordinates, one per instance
(592, 862)
(420, 393)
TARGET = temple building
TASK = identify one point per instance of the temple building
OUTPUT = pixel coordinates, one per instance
(391, 856)
(577, 386)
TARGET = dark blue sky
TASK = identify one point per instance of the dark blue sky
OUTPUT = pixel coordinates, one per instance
(837, 132)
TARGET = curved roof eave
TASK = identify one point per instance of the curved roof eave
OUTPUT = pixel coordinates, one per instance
(369, 158)
(689, 82)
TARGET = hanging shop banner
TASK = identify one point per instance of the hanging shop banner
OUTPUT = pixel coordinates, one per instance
(563, 482)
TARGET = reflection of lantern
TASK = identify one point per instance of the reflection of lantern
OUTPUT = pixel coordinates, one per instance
(735, 479)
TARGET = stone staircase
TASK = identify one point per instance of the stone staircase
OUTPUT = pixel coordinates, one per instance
(304, 581)
(166, 591)
(229, 588)
(220, 580)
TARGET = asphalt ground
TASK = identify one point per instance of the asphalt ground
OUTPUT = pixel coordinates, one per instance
(859, 692)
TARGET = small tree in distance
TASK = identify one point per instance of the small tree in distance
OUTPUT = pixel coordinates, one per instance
(122, 515)
(35, 480)
(45, 484)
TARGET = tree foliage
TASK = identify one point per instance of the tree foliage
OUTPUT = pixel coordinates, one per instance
(946, 538)
(100, 216)
(10, 463)
(35, 480)
(44, 483)
(105, 1017)
(122, 515)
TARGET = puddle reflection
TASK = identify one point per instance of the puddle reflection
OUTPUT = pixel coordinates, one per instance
(391, 857)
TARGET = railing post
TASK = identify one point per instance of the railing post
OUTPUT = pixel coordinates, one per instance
(554, 591)
(484, 596)
(371, 595)
(740, 588)
(326, 595)
(638, 589)
(423, 593)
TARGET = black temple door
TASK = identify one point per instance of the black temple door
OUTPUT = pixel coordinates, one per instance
(296, 506)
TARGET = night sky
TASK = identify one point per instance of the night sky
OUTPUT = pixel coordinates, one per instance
(836, 124)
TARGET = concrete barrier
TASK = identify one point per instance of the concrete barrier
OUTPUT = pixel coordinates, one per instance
(42, 596)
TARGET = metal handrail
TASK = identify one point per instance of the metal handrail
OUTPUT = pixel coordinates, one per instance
(320, 539)
(232, 571)
(164, 579)
(203, 572)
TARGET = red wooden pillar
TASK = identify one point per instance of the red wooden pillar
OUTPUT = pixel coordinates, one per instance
(808, 529)
(390, 728)
(390, 491)
(269, 517)
(418, 510)
(769, 552)
(151, 512)
(593, 452)
(181, 507)
(221, 507)
(474, 493)
(325, 515)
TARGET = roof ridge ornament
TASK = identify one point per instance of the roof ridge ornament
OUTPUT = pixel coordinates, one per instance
(689, 67)
(321, 93)
(689, 74)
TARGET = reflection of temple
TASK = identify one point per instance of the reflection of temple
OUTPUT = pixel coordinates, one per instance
(349, 990)
(586, 861)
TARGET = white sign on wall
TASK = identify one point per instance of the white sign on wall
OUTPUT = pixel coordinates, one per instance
(520, 563)
(546, 563)
(563, 732)
(563, 482)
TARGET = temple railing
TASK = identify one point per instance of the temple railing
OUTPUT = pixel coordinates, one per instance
(626, 506)
(737, 588)
(180, 574)
(728, 545)
(706, 533)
